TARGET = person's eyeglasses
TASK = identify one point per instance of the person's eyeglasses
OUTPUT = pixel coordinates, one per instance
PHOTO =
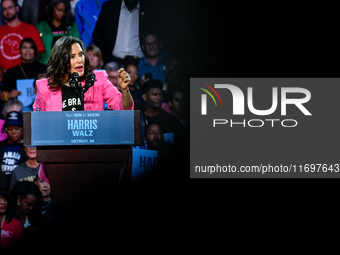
(8, 8)
(153, 44)
(11, 129)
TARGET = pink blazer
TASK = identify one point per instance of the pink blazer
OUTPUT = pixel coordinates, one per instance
(101, 91)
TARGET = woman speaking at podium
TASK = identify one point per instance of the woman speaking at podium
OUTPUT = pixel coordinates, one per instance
(71, 86)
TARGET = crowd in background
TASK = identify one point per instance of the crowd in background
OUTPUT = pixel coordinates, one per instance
(116, 34)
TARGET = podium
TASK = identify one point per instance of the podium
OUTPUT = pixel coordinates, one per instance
(84, 153)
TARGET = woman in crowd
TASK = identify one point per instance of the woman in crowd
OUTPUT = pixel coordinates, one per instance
(26, 201)
(28, 170)
(11, 227)
(57, 23)
(95, 56)
(131, 67)
(12, 153)
(28, 69)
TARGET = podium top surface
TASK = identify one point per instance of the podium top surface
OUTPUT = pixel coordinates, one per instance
(81, 128)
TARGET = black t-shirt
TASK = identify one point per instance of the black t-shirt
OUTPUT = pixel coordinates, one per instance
(58, 32)
(72, 99)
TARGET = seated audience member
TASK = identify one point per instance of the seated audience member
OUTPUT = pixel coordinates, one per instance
(112, 71)
(131, 67)
(154, 136)
(26, 201)
(95, 56)
(28, 69)
(26, 171)
(13, 105)
(178, 104)
(45, 188)
(12, 33)
(11, 149)
(58, 23)
(153, 96)
(29, 108)
(154, 60)
(11, 227)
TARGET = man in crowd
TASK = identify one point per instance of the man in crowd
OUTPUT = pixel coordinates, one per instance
(12, 33)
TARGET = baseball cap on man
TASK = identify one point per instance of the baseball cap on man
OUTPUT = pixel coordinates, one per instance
(14, 119)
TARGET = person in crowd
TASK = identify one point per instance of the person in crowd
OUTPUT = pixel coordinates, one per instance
(152, 91)
(45, 188)
(12, 33)
(26, 201)
(154, 139)
(154, 61)
(58, 23)
(26, 171)
(29, 68)
(112, 70)
(86, 16)
(119, 16)
(95, 56)
(131, 67)
(13, 105)
(110, 33)
(40, 76)
(33, 12)
(11, 149)
(154, 136)
(11, 227)
(178, 103)
(68, 56)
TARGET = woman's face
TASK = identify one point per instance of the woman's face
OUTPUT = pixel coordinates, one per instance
(59, 11)
(93, 59)
(3, 205)
(132, 70)
(27, 53)
(25, 205)
(44, 187)
(14, 133)
(31, 152)
(77, 60)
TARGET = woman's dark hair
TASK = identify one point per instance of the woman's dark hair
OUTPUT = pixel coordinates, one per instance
(130, 60)
(9, 213)
(33, 45)
(58, 64)
(23, 189)
(50, 10)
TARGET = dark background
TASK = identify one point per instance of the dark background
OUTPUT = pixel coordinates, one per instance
(272, 40)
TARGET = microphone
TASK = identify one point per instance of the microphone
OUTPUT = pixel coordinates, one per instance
(74, 80)
(89, 81)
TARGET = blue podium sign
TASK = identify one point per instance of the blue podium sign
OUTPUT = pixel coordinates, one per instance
(82, 128)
